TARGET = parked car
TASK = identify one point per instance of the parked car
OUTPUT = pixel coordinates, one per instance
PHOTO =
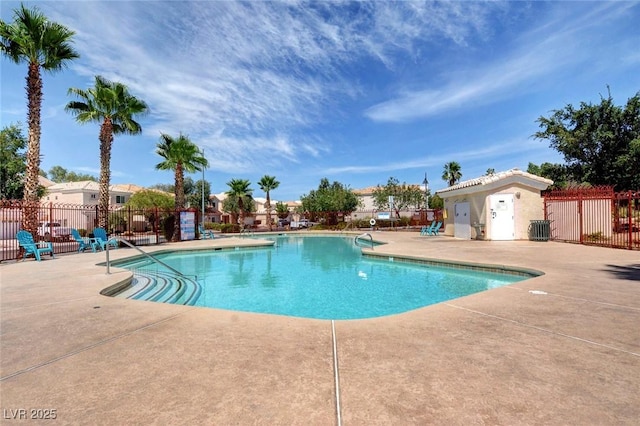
(624, 227)
(283, 222)
(53, 231)
(302, 223)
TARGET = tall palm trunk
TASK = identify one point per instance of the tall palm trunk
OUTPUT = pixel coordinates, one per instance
(268, 206)
(241, 208)
(106, 140)
(179, 195)
(34, 95)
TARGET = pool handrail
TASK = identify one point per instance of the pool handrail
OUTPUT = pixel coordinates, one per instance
(141, 251)
(366, 234)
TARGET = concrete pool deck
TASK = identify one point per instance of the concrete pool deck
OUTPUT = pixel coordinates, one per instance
(562, 348)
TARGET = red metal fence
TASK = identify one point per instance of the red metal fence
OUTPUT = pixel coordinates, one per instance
(594, 216)
(138, 226)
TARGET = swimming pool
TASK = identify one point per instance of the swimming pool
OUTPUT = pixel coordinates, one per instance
(312, 277)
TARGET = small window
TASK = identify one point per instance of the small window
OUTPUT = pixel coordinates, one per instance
(93, 196)
(120, 199)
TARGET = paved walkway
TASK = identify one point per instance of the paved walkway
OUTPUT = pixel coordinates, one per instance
(562, 348)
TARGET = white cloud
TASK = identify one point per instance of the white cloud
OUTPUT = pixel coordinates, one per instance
(254, 74)
(558, 44)
(85, 169)
(496, 150)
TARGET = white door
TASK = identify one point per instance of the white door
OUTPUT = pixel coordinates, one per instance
(502, 219)
(462, 221)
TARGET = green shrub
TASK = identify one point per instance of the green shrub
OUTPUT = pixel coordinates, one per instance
(168, 226)
(227, 228)
(596, 236)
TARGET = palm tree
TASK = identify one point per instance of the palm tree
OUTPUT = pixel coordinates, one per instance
(268, 184)
(110, 104)
(451, 173)
(33, 39)
(239, 189)
(180, 155)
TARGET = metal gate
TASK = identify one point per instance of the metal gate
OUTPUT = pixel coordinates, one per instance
(594, 216)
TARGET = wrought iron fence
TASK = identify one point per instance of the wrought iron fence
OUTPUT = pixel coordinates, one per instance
(594, 216)
(155, 225)
(138, 226)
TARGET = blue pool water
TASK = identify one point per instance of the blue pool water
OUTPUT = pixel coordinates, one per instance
(314, 277)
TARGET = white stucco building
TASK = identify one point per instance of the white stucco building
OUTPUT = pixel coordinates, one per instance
(494, 207)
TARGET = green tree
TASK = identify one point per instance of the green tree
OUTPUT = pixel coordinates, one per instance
(600, 142)
(110, 104)
(32, 39)
(180, 155)
(239, 189)
(57, 174)
(268, 184)
(404, 196)
(189, 186)
(166, 187)
(436, 202)
(149, 198)
(282, 210)
(330, 200)
(194, 198)
(60, 174)
(452, 173)
(12, 162)
(558, 173)
(230, 205)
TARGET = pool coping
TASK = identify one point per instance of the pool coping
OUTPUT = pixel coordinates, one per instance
(483, 267)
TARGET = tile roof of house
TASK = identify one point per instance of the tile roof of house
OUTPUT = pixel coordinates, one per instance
(127, 187)
(95, 186)
(364, 191)
(69, 186)
(369, 189)
(43, 181)
(485, 180)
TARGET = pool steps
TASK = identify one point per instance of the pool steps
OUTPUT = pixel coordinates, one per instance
(161, 286)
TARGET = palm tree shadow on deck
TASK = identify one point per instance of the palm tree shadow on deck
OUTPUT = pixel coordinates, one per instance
(630, 272)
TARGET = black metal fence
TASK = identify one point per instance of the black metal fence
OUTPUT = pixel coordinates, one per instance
(138, 226)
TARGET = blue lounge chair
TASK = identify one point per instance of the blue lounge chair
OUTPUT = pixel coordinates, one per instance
(25, 239)
(84, 243)
(101, 238)
(426, 230)
(434, 229)
(205, 233)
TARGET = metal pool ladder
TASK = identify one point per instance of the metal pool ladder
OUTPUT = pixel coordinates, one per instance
(366, 234)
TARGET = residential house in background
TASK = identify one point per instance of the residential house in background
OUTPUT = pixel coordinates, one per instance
(76, 202)
(212, 209)
(87, 193)
(259, 216)
(368, 209)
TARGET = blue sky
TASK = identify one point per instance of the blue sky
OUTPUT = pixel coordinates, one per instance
(354, 92)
